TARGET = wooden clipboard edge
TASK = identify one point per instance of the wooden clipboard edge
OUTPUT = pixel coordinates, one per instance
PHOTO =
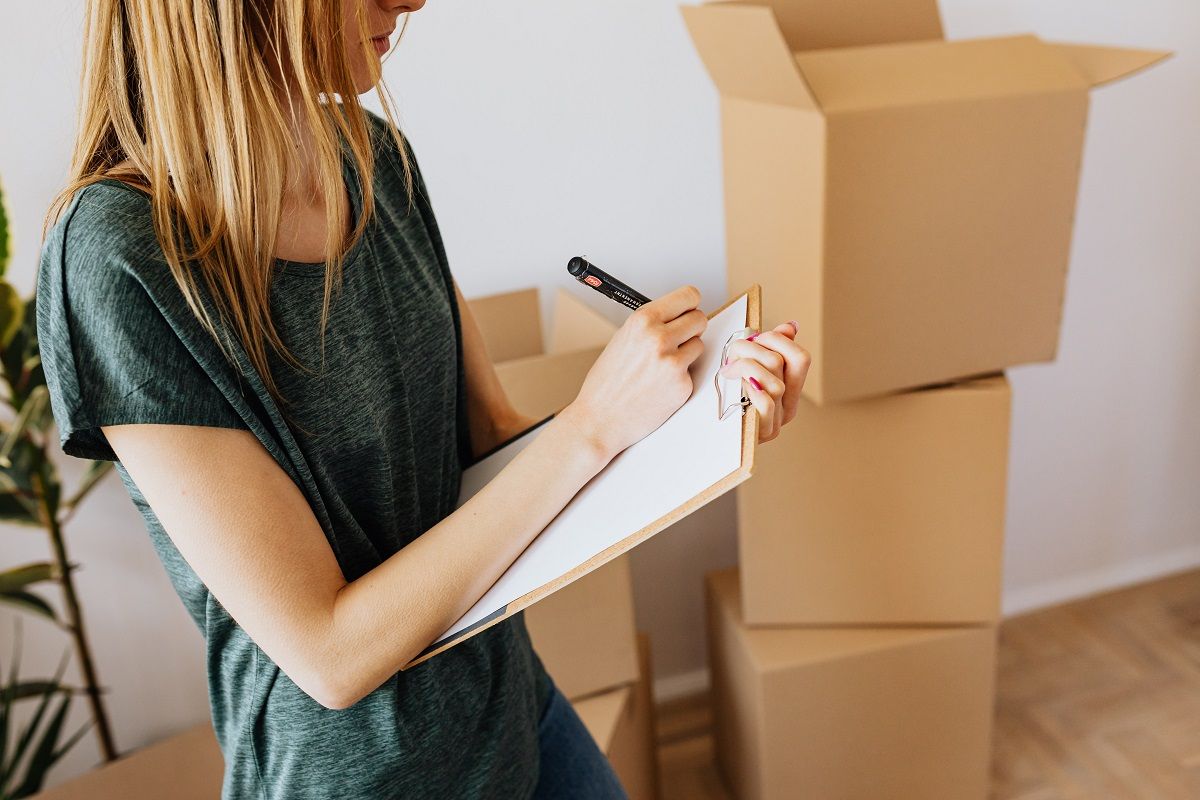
(744, 471)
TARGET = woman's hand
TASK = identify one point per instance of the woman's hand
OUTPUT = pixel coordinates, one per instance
(775, 367)
(641, 377)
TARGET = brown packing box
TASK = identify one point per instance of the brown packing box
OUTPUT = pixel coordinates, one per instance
(622, 723)
(187, 766)
(908, 200)
(540, 379)
(848, 713)
(585, 632)
(880, 511)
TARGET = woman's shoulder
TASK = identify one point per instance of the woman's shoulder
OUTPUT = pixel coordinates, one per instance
(102, 255)
(109, 221)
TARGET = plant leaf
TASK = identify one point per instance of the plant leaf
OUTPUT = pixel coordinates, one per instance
(28, 689)
(17, 350)
(17, 578)
(28, 601)
(95, 471)
(84, 728)
(43, 757)
(5, 248)
(10, 311)
(8, 769)
(14, 508)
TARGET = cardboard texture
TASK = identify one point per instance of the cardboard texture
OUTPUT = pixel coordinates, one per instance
(187, 766)
(908, 200)
(622, 723)
(848, 713)
(880, 511)
(584, 633)
(540, 379)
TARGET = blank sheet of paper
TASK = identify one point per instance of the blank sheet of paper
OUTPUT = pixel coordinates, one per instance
(681, 459)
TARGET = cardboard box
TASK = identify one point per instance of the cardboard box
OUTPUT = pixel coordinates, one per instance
(187, 766)
(848, 713)
(540, 378)
(622, 723)
(880, 511)
(908, 200)
(585, 633)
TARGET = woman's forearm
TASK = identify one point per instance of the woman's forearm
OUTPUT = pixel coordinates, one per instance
(382, 620)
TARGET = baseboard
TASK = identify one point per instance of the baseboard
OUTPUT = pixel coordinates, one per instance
(1016, 601)
(1106, 579)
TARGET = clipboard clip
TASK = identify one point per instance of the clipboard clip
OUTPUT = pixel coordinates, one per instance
(723, 408)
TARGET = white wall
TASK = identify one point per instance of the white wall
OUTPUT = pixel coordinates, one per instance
(549, 129)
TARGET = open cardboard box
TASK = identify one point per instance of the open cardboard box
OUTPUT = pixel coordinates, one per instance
(908, 200)
(540, 378)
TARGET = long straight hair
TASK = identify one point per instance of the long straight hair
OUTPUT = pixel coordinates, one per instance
(186, 93)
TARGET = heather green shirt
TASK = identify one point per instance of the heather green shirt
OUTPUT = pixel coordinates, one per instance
(376, 442)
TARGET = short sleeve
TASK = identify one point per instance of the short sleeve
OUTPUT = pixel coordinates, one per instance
(109, 354)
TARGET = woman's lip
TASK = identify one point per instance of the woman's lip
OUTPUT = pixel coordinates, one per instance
(380, 43)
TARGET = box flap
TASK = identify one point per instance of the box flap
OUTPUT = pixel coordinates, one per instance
(510, 323)
(1101, 65)
(576, 325)
(915, 73)
(818, 24)
(745, 53)
(544, 385)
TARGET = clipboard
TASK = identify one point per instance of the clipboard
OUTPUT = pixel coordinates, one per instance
(717, 423)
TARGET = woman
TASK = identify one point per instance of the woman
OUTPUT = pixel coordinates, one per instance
(244, 300)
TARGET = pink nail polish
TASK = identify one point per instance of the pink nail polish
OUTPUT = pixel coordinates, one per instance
(726, 361)
(794, 324)
(751, 338)
(756, 384)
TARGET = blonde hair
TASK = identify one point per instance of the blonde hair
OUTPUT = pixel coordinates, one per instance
(185, 93)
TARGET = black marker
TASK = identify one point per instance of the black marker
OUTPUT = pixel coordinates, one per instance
(604, 283)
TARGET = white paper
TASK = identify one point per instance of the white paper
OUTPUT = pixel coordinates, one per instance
(686, 455)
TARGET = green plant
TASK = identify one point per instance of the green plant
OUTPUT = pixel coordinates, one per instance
(34, 746)
(31, 493)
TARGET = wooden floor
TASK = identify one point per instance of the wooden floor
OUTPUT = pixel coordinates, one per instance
(1095, 699)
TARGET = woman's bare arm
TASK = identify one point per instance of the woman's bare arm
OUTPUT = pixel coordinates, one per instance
(250, 535)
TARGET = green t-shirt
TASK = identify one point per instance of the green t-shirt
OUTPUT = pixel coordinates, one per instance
(379, 458)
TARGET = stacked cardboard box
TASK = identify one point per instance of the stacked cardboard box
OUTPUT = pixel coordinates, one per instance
(584, 633)
(909, 201)
(622, 723)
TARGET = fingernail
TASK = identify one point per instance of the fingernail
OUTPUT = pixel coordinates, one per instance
(726, 361)
(794, 324)
(756, 384)
(751, 338)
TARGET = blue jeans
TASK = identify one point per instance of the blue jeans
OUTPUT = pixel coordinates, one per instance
(572, 766)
